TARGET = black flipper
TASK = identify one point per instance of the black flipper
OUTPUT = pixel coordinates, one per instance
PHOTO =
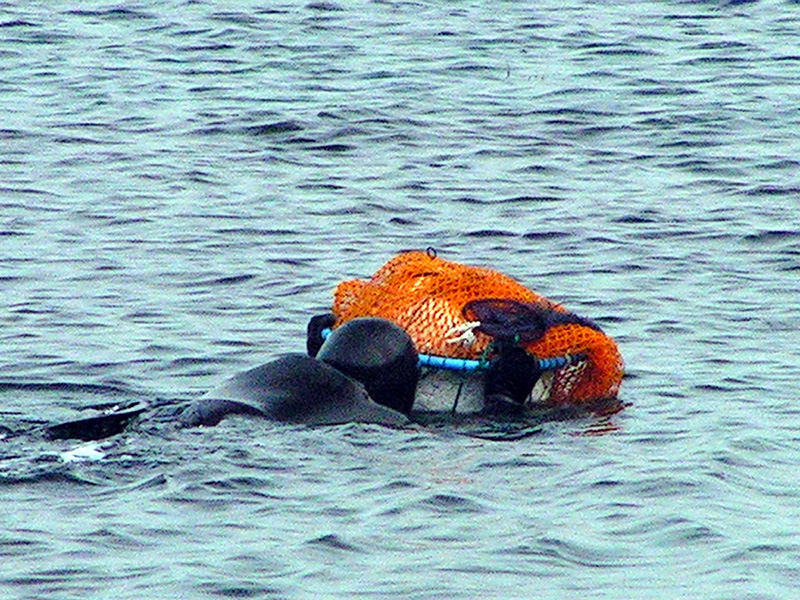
(96, 428)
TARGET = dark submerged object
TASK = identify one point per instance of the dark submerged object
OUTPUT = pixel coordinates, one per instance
(366, 371)
(97, 427)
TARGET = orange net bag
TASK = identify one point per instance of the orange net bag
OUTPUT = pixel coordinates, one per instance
(426, 296)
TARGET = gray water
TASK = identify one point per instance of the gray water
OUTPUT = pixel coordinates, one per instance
(182, 185)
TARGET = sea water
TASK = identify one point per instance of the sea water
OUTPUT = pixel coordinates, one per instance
(183, 184)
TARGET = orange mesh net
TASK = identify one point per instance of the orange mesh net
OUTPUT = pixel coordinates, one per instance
(426, 295)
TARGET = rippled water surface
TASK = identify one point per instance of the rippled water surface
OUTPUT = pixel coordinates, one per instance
(182, 184)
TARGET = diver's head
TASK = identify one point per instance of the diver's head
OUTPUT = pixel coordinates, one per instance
(379, 354)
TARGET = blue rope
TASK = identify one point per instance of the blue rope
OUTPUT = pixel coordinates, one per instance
(451, 364)
(465, 364)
